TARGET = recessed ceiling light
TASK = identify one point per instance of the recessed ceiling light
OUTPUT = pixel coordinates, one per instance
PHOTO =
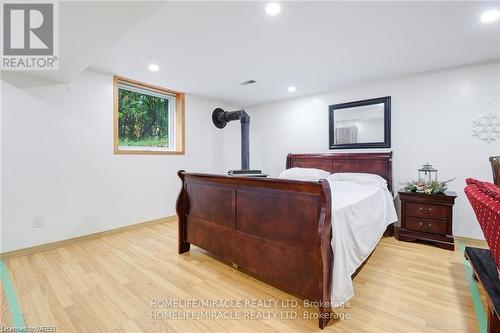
(490, 16)
(291, 89)
(153, 67)
(273, 8)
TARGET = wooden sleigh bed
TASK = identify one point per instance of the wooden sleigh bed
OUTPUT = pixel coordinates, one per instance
(277, 230)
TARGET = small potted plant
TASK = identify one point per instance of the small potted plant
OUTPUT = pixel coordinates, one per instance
(427, 182)
(433, 187)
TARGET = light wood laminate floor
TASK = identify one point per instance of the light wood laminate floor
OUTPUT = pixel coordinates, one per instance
(111, 284)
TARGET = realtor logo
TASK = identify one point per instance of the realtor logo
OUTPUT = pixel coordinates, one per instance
(29, 36)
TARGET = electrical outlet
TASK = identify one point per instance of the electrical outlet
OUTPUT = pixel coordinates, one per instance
(38, 221)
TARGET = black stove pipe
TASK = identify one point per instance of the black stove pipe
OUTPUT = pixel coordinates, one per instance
(220, 118)
(245, 142)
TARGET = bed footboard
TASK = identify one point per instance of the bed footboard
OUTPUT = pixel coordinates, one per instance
(278, 230)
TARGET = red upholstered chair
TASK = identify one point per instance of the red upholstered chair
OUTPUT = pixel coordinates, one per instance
(495, 169)
(485, 200)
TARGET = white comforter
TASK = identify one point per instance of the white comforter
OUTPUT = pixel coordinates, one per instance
(360, 215)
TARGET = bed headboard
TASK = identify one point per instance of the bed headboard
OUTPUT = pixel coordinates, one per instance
(377, 163)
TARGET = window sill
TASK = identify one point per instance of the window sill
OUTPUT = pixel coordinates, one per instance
(147, 152)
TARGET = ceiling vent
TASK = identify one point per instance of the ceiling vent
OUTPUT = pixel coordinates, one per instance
(246, 83)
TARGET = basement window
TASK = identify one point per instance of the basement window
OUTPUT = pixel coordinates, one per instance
(147, 119)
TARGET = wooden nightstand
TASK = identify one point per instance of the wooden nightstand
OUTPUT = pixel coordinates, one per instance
(427, 217)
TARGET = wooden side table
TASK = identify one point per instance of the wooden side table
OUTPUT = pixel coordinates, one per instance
(427, 217)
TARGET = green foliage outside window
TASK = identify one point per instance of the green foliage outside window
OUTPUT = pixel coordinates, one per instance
(142, 119)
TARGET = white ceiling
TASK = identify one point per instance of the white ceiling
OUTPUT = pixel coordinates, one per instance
(88, 28)
(208, 48)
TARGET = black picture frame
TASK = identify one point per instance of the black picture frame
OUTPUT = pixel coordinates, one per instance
(363, 145)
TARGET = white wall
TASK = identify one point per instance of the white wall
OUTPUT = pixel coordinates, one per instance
(432, 118)
(58, 161)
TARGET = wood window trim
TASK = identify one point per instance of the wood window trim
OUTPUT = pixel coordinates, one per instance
(179, 118)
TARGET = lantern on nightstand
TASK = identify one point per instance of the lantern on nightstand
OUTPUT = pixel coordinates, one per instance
(427, 173)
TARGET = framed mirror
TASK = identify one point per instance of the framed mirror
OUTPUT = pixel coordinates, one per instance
(361, 124)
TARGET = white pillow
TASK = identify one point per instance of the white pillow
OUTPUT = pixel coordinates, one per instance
(359, 178)
(304, 174)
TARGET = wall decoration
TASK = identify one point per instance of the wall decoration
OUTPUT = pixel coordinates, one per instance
(361, 124)
(487, 128)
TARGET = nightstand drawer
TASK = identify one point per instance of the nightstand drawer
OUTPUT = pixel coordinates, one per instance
(425, 225)
(427, 210)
